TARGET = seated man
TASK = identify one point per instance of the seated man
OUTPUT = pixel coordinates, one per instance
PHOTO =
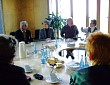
(69, 31)
(23, 34)
(98, 48)
(46, 32)
(9, 73)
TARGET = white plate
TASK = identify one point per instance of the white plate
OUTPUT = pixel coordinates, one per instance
(49, 80)
(28, 69)
(73, 65)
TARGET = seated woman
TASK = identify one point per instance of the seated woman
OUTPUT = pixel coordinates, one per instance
(9, 73)
(98, 50)
(90, 29)
(46, 32)
(23, 34)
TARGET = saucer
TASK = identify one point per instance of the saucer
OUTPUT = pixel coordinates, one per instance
(28, 69)
(49, 80)
(73, 65)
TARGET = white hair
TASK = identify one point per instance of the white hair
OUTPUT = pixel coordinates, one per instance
(23, 22)
(12, 40)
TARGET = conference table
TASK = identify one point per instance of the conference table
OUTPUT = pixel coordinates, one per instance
(33, 60)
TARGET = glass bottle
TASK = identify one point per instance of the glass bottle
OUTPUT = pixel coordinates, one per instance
(43, 59)
(56, 43)
(82, 63)
(35, 48)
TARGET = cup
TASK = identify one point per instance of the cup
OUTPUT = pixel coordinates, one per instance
(53, 77)
(22, 50)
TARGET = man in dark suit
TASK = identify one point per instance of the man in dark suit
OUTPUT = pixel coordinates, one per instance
(23, 34)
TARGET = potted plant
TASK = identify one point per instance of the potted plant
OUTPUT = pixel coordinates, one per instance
(56, 22)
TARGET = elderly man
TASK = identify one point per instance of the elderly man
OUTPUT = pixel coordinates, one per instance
(69, 31)
(23, 34)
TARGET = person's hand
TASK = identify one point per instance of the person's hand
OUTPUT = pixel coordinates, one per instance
(48, 39)
(82, 29)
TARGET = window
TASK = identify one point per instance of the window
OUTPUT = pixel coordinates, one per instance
(104, 16)
(92, 10)
(79, 13)
(52, 6)
(64, 8)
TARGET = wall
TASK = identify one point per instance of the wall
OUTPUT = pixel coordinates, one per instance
(40, 11)
(11, 15)
(33, 11)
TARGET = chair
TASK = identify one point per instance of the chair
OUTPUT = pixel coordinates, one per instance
(12, 33)
(37, 34)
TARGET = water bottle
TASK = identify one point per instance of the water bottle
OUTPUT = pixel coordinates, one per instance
(82, 63)
(35, 48)
(47, 52)
(43, 58)
(86, 63)
(56, 43)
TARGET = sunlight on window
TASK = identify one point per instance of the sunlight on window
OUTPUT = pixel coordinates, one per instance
(92, 9)
(104, 16)
(64, 8)
(79, 13)
(52, 6)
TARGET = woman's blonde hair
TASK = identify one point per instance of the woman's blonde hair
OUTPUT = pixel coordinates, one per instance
(98, 46)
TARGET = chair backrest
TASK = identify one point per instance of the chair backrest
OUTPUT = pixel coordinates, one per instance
(37, 34)
(12, 33)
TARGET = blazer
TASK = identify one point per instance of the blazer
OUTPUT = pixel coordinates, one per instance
(20, 37)
(42, 34)
(94, 75)
(12, 75)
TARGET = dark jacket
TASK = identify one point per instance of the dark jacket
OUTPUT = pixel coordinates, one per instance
(12, 75)
(69, 32)
(20, 37)
(94, 75)
(42, 34)
(89, 30)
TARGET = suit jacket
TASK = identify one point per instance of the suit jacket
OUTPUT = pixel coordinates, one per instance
(94, 75)
(20, 37)
(42, 34)
(12, 75)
